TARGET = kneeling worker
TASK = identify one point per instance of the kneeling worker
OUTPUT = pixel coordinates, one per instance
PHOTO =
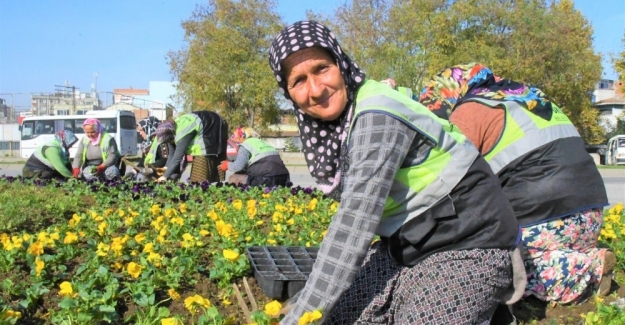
(258, 164)
(50, 160)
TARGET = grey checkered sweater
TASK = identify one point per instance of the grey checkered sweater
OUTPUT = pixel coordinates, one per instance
(379, 145)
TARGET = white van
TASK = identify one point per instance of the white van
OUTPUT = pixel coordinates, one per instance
(37, 130)
(615, 151)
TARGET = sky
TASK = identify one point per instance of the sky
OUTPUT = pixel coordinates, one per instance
(46, 43)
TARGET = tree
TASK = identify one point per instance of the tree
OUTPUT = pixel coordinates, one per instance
(547, 44)
(619, 63)
(224, 66)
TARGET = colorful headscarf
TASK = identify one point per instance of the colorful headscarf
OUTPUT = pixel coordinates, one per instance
(323, 141)
(66, 138)
(166, 131)
(461, 83)
(97, 126)
(148, 125)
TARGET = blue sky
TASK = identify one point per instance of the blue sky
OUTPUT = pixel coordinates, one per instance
(44, 43)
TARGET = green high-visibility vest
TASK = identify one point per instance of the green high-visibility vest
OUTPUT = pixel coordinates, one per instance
(186, 124)
(524, 131)
(259, 149)
(150, 157)
(105, 141)
(417, 188)
(39, 152)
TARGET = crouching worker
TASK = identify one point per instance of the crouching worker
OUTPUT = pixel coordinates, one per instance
(257, 164)
(97, 156)
(50, 160)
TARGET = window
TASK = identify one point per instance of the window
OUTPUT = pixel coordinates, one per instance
(28, 129)
(62, 112)
(44, 127)
(128, 122)
(68, 125)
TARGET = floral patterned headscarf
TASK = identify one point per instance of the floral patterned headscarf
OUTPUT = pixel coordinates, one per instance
(461, 83)
(323, 141)
(67, 139)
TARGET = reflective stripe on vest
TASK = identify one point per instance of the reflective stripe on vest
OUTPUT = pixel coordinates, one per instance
(259, 149)
(186, 124)
(39, 153)
(417, 188)
(524, 131)
(105, 141)
(150, 158)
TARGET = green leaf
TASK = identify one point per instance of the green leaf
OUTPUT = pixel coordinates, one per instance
(163, 312)
(68, 303)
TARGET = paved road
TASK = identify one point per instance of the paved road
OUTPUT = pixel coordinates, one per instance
(614, 179)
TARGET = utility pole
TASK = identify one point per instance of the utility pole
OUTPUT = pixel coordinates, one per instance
(73, 88)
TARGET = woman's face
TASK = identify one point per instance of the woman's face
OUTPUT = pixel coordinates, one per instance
(142, 133)
(315, 83)
(90, 131)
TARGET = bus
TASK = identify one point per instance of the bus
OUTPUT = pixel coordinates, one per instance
(37, 130)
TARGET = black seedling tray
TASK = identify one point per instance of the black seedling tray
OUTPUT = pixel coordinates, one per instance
(281, 271)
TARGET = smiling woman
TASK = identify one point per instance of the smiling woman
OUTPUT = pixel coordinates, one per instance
(400, 174)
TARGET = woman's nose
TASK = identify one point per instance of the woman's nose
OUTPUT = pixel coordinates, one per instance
(316, 87)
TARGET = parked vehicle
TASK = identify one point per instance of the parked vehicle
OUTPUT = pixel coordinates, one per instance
(36, 130)
(615, 151)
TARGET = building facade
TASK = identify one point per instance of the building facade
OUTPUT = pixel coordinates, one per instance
(609, 100)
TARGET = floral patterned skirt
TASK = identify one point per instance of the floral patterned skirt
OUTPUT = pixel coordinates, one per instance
(561, 257)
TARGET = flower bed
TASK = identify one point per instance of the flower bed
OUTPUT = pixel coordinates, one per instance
(144, 253)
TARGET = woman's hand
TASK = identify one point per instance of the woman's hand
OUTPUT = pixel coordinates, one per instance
(100, 169)
(224, 166)
(161, 179)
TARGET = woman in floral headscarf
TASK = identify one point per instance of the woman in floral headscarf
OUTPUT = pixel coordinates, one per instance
(544, 170)
(50, 160)
(97, 155)
(403, 174)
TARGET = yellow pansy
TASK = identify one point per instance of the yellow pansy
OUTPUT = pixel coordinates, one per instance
(155, 209)
(11, 314)
(66, 289)
(273, 308)
(134, 269)
(173, 294)
(230, 254)
(194, 301)
(312, 205)
(103, 249)
(35, 248)
(140, 238)
(39, 265)
(183, 208)
(309, 317)
(290, 222)
(102, 228)
(237, 204)
(204, 232)
(148, 248)
(70, 238)
(271, 241)
(178, 221)
(251, 212)
(171, 321)
(74, 221)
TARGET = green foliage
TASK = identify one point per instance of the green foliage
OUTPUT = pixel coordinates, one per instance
(619, 63)
(290, 146)
(545, 43)
(224, 67)
(45, 205)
